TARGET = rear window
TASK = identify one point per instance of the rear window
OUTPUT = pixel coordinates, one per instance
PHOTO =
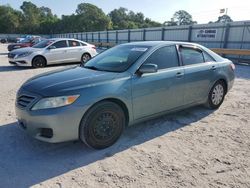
(191, 56)
(73, 43)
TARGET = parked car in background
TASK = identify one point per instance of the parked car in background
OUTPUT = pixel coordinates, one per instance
(31, 37)
(121, 86)
(3, 40)
(27, 42)
(53, 51)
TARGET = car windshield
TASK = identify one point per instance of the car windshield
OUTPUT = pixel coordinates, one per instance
(26, 40)
(43, 44)
(117, 59)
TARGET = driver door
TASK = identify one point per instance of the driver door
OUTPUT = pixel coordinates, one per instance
(57, 52)
(153, 93)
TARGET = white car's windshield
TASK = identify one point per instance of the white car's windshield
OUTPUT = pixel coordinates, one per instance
(43, 44)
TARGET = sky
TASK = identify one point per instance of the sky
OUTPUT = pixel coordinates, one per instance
(158, 10)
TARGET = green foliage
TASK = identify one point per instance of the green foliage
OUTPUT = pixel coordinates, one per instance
(124, 19)
(9, 20)
(224, 19)
(180, 17)
(87, 17)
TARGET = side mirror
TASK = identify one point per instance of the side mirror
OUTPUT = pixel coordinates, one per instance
(148, 68)
(51, 47)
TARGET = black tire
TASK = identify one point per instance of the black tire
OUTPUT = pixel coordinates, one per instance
(38, 62)
(85, 57)
(102, 125)
(216, 95)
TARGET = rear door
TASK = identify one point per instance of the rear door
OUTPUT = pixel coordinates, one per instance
(200, 71)
(59, 54)
(157, 92)
(75, 51)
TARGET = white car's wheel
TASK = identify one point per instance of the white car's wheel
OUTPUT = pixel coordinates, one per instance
(85, 58)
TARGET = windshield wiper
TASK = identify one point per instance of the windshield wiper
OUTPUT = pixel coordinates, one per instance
(91, 67)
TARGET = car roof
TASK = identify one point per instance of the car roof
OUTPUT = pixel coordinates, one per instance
(58, 39)
(156, 43)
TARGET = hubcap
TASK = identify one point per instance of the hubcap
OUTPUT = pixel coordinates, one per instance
(217, 94)
(85, 58)
(39, 63)
(105, 126)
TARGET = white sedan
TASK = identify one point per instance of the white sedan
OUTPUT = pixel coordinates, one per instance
(53, 51)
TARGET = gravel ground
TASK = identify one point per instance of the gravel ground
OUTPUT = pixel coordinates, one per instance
(192, 148)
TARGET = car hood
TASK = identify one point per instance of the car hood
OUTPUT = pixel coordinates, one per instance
(65, 81)
(24, 50)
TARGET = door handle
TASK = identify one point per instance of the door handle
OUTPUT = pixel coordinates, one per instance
(213, 67)
(179, 74)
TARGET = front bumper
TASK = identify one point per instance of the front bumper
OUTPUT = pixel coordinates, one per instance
(51, 125)
(23, 61)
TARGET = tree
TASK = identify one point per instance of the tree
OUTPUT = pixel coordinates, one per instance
(10, 20)
(224, 19)
(124, 19)
(91, 18)
(31, 21)
(182, 17)
(119, 18)
(170, 23)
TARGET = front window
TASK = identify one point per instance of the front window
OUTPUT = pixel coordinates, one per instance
(43, 44)
(165, 57)
(117, 59)
(60, 44)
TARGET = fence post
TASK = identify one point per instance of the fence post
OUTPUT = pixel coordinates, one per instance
(144, 35)
(226, 35)
(163, 33)
(116, 37)
(107, 36)
(99, 36)
(189, 33)
(92, 37)
(81, 36)
(128, 35)
(86, 36)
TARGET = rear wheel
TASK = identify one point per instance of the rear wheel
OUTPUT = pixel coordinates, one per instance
(85, 58)
(38, 62)
(102, 125)
(216, 95)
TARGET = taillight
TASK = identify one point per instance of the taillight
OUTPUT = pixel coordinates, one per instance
(232, 66)
(94, 47)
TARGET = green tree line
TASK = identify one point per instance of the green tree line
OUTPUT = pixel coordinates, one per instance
(87, 17)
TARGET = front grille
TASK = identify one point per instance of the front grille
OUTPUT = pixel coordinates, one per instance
(11, 55)
(24, 100)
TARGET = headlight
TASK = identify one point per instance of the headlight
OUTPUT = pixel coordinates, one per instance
(25, 54)
(54, 102)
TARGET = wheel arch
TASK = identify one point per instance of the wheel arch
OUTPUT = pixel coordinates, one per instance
(116, 101)
(39, 55)
(225, 83)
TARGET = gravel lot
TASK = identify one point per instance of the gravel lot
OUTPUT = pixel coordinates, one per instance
(193, 148)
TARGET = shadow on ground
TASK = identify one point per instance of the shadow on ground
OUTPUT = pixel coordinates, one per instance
(12, 68)
(242, 71)
(25, 161)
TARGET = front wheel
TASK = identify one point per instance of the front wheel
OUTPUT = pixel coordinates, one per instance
(102, 125)
(216, 95)
(38, 62)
